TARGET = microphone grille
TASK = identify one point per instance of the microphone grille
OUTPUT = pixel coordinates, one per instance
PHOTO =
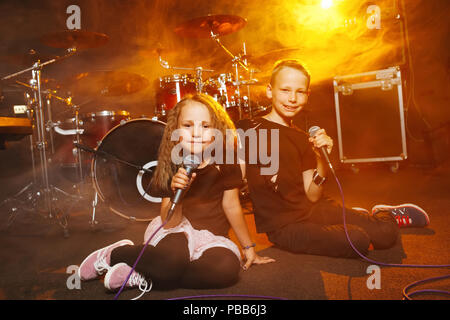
(191, 161)
(313, 130)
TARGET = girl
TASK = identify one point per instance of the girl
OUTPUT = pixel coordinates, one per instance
(192, 249)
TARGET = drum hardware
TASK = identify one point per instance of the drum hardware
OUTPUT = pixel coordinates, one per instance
(109, 156)
(215, 26)
(40, 190)
(173, 88)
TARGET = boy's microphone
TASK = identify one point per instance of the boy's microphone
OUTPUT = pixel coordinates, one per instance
(312, 132)
(191, 162)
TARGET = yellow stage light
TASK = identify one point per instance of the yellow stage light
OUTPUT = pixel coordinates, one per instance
(326, 4)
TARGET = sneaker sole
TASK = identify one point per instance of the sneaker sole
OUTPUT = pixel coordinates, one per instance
(362, 210)
(402, 205)
(95, 252)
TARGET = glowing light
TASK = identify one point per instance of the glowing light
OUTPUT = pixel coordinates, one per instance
(326, 4)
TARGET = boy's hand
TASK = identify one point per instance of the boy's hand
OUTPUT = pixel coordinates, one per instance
(181, 180)
(321, 139)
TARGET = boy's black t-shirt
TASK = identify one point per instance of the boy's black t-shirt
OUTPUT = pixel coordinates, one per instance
(279, 198)
(202, 203)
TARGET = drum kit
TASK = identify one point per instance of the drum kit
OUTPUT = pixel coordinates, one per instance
(108, 154)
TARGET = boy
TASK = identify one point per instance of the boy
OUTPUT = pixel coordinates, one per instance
(288, 205)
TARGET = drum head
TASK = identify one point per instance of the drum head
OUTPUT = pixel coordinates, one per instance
(115, 168)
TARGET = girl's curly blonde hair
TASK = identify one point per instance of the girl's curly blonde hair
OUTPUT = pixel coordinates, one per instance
(166, 169)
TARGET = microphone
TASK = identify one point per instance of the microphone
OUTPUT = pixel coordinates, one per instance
(312, 132)
(190, 162)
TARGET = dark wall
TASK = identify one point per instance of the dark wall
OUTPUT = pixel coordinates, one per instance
(136, 27)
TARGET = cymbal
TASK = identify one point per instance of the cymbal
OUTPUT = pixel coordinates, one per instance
(219, 24)
(156, 52)
(75, 39)
(20, 82)
(273, 56)
(27, 59)
(107, 83)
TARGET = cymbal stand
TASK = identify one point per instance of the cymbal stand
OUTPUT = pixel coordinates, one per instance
(78, 140)
(40, 143)
(237, 61)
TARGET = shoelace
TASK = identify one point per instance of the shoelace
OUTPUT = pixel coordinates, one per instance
(402, 218)
(403, 221)
(101, 265)
(137, 279)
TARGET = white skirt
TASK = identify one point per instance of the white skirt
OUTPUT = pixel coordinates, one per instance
(198, 240)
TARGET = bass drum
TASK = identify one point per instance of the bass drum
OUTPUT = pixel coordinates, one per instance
(117, 167)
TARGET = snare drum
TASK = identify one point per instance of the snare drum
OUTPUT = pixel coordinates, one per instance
(171, 90)
(97, 124)
(119, 183)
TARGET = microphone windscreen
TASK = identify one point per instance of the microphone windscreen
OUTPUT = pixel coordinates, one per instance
(191, 162)
(313, 130)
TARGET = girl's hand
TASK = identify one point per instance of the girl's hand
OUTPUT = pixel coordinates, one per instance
(321, 139)
(253, 258)
(181, 180)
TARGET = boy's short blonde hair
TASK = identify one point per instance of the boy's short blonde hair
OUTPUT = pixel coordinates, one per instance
(289, 63)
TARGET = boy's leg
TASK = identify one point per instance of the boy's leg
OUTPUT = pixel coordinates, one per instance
(382, 228)
(326, 240)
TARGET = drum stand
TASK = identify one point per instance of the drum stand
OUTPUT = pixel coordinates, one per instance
(238, 61)
(198, 74)
(41, 191)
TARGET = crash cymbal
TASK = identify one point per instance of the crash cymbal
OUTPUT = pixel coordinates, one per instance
(20, 82)
(75, 39)
(219, 24)
(156, 52)
(106, 83)
(269, 58)
(27, 59)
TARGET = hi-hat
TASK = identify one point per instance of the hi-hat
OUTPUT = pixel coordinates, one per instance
(202, 27)
(107, 83)
(77, 39)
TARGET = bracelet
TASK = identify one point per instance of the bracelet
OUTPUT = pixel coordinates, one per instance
(318, 180)
(249, 246)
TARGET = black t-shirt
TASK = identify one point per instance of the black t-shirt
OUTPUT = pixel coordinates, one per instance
(202, 203)
(278, 198)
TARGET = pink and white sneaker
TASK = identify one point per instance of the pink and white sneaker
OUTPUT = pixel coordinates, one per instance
(361, 210)
(406, 215)
(116, 276)
(98, 262)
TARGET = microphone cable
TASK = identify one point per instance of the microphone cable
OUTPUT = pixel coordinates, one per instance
(140, 255)
(191, 162)
(406, 295)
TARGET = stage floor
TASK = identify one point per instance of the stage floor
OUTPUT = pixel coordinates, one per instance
(38, 262)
